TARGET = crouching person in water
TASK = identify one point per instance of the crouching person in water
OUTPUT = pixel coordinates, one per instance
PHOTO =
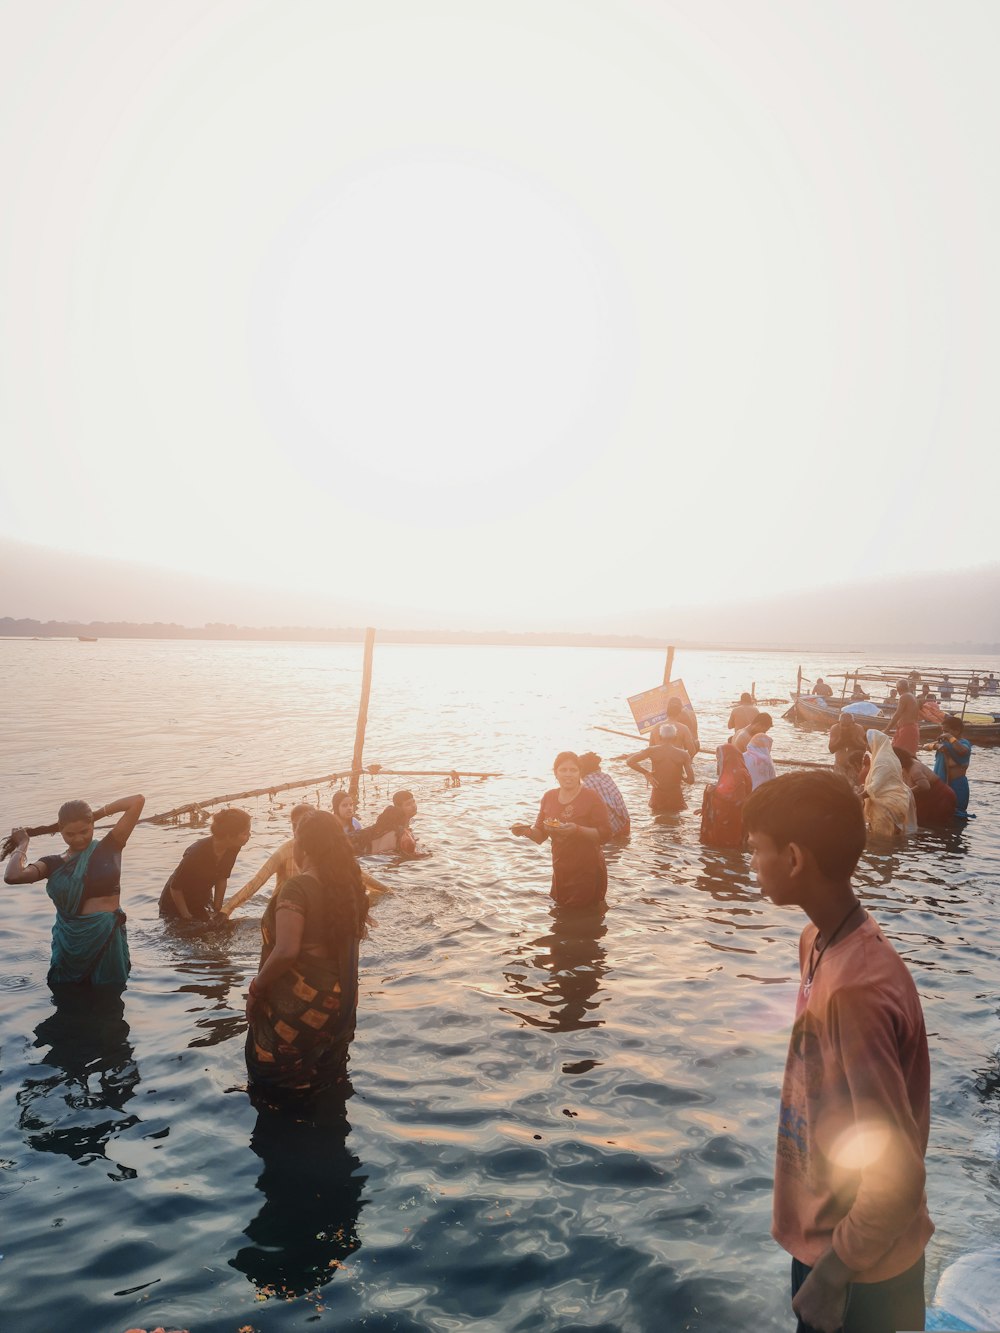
(302, 1004)
(89, 944)
(197, 886)
(849, 1201)
(576, 820)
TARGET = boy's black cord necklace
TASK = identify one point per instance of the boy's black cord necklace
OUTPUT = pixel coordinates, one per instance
(814, 964)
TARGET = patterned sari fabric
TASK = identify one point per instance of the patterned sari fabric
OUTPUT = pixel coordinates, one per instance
(302, 1028)
(85, 949)
(722, 803)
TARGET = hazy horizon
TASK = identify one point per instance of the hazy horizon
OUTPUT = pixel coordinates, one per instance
(42, 584)
(525, 314)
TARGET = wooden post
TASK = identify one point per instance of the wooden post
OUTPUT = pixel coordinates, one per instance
(753, 690)
(669, 665)
(359, 735)
(798, 684)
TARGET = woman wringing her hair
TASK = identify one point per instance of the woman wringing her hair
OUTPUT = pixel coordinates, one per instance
(89, 944)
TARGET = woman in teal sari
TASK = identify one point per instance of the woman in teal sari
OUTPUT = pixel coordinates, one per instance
(89, 944)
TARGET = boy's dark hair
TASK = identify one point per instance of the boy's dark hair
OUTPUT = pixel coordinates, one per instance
(400, 796)
(951, 723)
(818, 811)
(589, 763)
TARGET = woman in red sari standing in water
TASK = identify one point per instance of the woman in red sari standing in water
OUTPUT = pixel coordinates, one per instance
(576, 820)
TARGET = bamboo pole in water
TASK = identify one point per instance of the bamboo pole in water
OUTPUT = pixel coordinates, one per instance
(359, 735)
(669, 665)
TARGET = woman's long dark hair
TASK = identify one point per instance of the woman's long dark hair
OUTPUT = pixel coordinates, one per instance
(322, 838)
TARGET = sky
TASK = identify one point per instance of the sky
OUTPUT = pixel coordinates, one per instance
(501, 313)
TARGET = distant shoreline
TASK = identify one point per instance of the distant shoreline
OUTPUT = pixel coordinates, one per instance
(11, 628)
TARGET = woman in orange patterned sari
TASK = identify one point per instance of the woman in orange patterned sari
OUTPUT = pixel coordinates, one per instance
(302, 1003)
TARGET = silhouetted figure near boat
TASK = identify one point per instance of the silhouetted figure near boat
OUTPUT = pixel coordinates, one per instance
(934, 800)
(821, 689)
(669, 766)
(857, 694)
(904, 725)
(89, 943)
(607, 789)
(849, 1201)
(743, 713)
(197, 887)
(280, 864)
(302, 1004)
(951, 763)
(848, 744)
(576, 822)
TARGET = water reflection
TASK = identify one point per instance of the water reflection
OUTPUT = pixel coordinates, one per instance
(571, 960)
(308, 1223)
(79, 1106)
(214, 980)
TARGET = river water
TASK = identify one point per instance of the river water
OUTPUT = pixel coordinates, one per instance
(551, 1127)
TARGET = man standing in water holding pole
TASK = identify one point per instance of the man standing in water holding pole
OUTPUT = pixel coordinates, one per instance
(849, 1201)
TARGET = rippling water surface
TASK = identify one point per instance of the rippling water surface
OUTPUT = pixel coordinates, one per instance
(551, 1126)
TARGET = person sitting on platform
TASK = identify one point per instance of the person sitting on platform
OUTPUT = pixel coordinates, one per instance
(857, 694)
(607, 790)
(743, 713)
(821, 689)
(197, 886)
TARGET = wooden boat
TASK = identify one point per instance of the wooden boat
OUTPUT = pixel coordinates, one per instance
(809, 713)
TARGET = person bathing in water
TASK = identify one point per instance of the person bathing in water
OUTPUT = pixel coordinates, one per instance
(669, 766)
(89, 944)
(197, 886)
(575, 819)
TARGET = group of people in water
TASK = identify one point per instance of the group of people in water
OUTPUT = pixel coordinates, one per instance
(301, 1005)
(857, 1254)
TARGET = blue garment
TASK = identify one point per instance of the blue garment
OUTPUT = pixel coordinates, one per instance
(91, 948)
(960, 752)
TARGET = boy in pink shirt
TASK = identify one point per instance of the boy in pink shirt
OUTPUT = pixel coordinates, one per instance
(849, 1201)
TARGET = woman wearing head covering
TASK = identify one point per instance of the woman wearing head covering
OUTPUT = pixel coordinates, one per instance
(722, 802)
(888, 801)
(302, 1004)
(89, 944)
(757, 757)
